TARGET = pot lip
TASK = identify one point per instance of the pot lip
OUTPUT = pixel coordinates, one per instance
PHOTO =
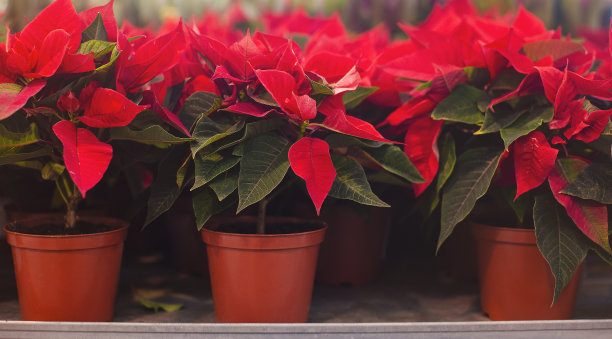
(252, 218)
(124, 225)
(507, 235)
(508, 229)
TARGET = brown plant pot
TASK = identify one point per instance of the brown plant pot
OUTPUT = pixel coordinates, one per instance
(515, 280)
(262, 278)
(67, 278)
(354, 246)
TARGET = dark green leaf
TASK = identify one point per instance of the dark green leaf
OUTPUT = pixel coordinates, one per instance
(12, 139)
(263, 166)
(594, 183)
(95, 31)
(183, 172)
(153, 135)
(394, 160)
(468, 183)
(10, 156)
(52, 170)
(206, 204)
(164, 189)
(525, 124)
(563, 246)
(251, 130)
(207, 131)
(352, 99)
(461, 105)
(208, 167)
(337, 140)
(198, 104)
(97, 47)
(501, 118)
(225, 184)
(318, 88)
(448, 158)
(351, 183)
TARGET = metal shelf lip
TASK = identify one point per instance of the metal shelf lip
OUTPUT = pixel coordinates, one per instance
(478, 329)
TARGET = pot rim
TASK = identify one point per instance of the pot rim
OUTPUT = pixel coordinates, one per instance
(66, 242)
(499, 234)
(264, 241)
(123, 224)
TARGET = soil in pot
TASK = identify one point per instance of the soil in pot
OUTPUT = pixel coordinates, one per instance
(67, 277)
(262, 278)
(515, 279)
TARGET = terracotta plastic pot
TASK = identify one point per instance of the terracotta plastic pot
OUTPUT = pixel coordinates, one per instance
(515, 279)
(354, 246)
(262, 278)
(67, 278)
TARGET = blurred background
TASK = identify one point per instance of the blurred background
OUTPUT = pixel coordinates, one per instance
(358, 15)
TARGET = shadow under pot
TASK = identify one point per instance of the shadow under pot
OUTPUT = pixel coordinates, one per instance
(67, 277)
(262, 278)
(515, 280)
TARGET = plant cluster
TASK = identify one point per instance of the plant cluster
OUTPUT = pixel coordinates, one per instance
(501, 106)
(478, 102)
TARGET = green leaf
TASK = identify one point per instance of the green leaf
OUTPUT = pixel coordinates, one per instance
(208, 167)
(164, 189)
(338, 140)
(501, 118)
(9, 156)
(183, 172)
(12, 139)
(97, 47)
(526, 123)
(429, 200)
(318, 88)
(198, 104)
(156, 306)
(448, 158)
(206, 204)
(352, 99)
(95, 31)
(208, 131)
(351, 183)
(394, 160)
(153, 135)
(225, 184)
(468, 183)
(461, 106)
(52, 170)
(563, 246)
(263, 166)
(593, 183)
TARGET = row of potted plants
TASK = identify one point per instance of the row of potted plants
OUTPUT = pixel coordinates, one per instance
(471, 107)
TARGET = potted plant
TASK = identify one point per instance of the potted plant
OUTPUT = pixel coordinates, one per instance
(66, 78)
(525, 122)
(255, 108)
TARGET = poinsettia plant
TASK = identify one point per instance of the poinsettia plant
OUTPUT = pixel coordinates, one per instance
(503, 107)
(262, 104)
(69, 84)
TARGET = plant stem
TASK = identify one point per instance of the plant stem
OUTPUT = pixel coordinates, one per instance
(71, 208)
(261, 216)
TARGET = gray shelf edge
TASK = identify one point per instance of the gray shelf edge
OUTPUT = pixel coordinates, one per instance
(505, 329)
